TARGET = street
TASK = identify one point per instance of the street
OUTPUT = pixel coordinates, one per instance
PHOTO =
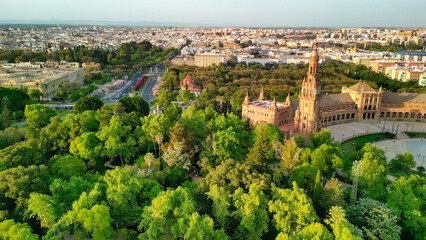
(146, 92)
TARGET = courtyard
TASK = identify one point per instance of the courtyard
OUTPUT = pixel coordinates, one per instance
(387, 135)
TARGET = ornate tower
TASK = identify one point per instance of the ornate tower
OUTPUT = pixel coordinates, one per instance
(307, 114)
(261, 96)
(246, 99)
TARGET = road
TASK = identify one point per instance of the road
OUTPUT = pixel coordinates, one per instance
(146, 92)
(125, 90)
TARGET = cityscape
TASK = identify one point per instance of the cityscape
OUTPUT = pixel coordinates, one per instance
(207, 121)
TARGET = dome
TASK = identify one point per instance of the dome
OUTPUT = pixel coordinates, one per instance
(314, 54)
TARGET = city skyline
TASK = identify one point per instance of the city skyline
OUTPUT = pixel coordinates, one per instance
(221, 13)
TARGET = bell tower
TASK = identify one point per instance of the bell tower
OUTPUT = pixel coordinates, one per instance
(307, 114)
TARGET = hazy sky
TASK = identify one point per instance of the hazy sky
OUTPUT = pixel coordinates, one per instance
(273, 13)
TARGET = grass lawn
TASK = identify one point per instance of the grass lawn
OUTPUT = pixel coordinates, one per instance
(355, 144)
(416, 135)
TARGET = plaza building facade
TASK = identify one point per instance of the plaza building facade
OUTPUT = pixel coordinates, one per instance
(314, 110)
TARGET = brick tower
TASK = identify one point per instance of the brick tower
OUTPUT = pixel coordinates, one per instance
(307, 119)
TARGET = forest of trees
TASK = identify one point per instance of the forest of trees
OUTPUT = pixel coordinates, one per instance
(391, 47)
(142, 54)
(113, 172)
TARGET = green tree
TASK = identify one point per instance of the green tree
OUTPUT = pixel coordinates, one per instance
(38, 116)
(327, 158)
(176, 158)
(88, 147)
(97, 222)
(117, 141)
(407, 197)
(290, 154)
(232, 175)
(304, 175)
(228, 145)
(17, 183)
(202, 227)
(373, 171)
(262, 154)
(221, 204)
(44, 207)
(403, 162)
(122, 193)
(135, 104)
(9, 230)
(168, 216)
(292, 209)
(251, 209)
(35, 94)
(104, 114)
(67, 166)
(375, 219)
(68, 191)
(87, 103)
(314, 230)
(342, 228)
(320, 138)
(333, 195)
(318, 190)
(20, 155)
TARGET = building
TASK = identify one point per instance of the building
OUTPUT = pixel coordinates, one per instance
(279, 114)
(92, 66)
(47, 80)
(411, 56)
(404, 74)
(314, 111)
(207, 59)
(380, 66)
(261, 61)
(187, 60)
(187, 83)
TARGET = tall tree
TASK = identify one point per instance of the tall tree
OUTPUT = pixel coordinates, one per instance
(373, 171)
(289, 154)
(97, 222)
(333, 195)
(221, 204)
(327, 158)
(375, 219)
(403, 162)
(44, 207)
(292, 209)
(87, 103)
(251, 209)
(407, 197)
(318, 190)
(122, 191)
(262, 154)
(342, 228)
(117, 141)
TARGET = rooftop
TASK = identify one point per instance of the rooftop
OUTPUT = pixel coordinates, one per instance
(395, 97)
(336, 99)
(267, 104)
(361, 86)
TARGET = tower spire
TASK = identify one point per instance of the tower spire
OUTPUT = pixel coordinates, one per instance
(262, 95)
(288, 99)
(247, 99)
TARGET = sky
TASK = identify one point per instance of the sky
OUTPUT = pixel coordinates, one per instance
(248, 13)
